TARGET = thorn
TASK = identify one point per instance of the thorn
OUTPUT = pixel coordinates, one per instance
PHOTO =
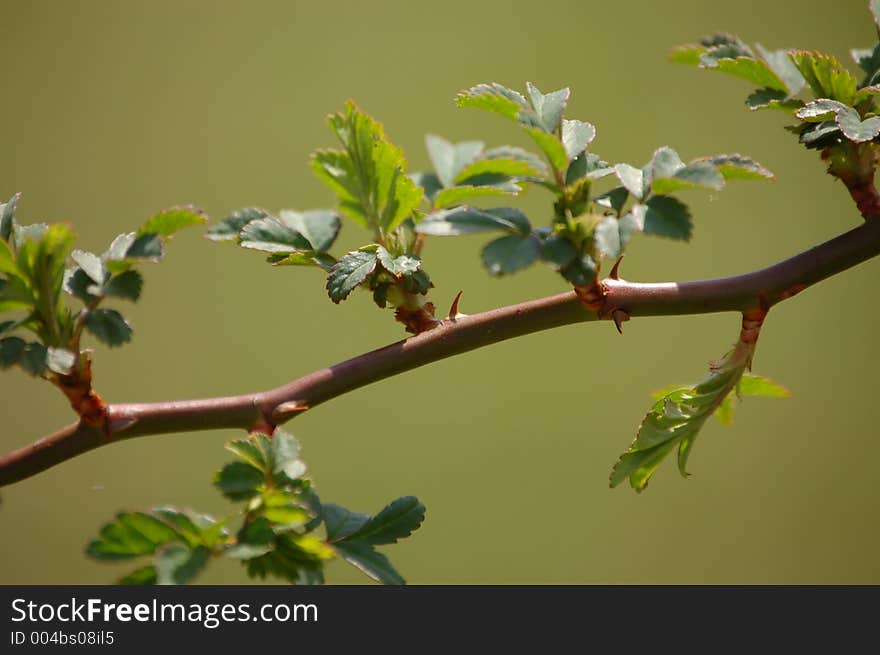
(619, 316)
(453, 311)
(615, 270)
(288, 410)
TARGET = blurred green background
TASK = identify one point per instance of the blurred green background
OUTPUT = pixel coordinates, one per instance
(113, 110)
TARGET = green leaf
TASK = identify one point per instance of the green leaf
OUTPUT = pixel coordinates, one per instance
(303, 258)
(781, 64)
(613, 199)
(108, 326)
(146, 575)
(499, 169)
(459, 194)
(587, 165)
(239, 481)
(370, 561)
(755, 385)
(369, 176)
(739, 167)
(11, 351)
(581, 270)
(341, 522)
(632, 179)
(558, 251)
(130, 535)
(320, 227)
(249, 452)
(606, 236)
(576, 136)
(661, 215)
(397, 520)
(178, 564)
(495, 98)
(751, 70)
(272, 234)
(429, 182)
(194, 529)
(676, 419)
(449, 159)
(7, 217)
(467, 220)
(285, 456)
(229, 228)
(550, 107)
(854, 128)
(127, 285)
(34, 358)
(696, 175)
(146, 246)
(689, 55)
(510, 253)
(551, 146)
(349, 272)
(825, 75)
(403, 265)
(169, 221)
(91, 265)
(772, 99)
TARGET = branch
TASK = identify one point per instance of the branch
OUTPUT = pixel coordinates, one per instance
(762, 288)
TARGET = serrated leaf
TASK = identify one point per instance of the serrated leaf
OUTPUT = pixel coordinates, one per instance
(34, 358)
(495, 98)
(551, 146)
(320, 227)
(178, 564)
(820, 110)
(229, 228)
(91, 265)
(558, 251)
(587, 165)
(341, 522)
(548, 108)
(781, 64)
(239, 481)
(739, 167)
(370, 561)
(126, 285)
(448, 158)
(772, 99)
(581, 270)
(272, 235)
(108, 326)
(606, 236)
(746, 68)
(458, 194)
(632, 179)
(755, 385)
(349, 272)
(130, 535)
(169, 221)
(194, 529)
(689, 55)
(397, 520)
(467, 220)
(613, 199)
(676, 419)
(11, 350)
(369, 176)
(510, 253)
(661, 215)
(696, 175)
(285, 455)
(402, 265)
(430, 184)
(854, 128)
(250, 453)
(146, 575)
(498, 168)
(145, 246)
(576, 136)
(303, 258)
(825, 75)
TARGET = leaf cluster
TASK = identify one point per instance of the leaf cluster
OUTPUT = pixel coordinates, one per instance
(285, 531)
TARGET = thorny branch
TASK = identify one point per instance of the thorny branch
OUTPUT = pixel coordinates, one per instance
(614, 299)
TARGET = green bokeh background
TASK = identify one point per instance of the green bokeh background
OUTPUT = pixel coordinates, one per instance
(114, 110)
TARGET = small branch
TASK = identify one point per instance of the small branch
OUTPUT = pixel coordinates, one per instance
(742, 293)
